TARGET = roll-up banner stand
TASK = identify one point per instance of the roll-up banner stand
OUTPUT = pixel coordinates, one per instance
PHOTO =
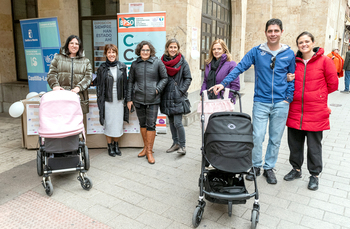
(136, 27)
(41, 41)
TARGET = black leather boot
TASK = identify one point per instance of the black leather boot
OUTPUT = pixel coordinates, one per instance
(111, 151)
(116, 149)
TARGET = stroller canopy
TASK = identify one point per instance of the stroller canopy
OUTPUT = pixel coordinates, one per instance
(228, 141)
(60, 115)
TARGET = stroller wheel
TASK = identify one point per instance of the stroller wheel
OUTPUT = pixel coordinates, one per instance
(255, 218)
(229, 208)
(86, 158)
(86, 184)
(48, 188)
(39, 163)
(197, 216)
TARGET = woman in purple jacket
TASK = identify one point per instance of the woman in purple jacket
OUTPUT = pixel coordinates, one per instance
(218, 65)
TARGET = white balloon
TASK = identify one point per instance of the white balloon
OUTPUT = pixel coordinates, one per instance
(31, 94)
(16, 109)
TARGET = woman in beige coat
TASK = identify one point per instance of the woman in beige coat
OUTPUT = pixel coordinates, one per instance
(71, 70)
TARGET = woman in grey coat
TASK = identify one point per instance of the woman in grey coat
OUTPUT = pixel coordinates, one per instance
(147, 79)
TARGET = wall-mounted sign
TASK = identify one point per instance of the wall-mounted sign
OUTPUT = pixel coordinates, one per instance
(105, 32)
(136, 7)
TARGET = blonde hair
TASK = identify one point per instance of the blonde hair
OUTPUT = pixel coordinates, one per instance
(224, 47)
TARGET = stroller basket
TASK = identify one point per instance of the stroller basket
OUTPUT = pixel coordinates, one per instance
(228, 142)
(224, 183)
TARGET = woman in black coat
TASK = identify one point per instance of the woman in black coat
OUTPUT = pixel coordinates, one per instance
(147, 79)
(111, 84)
(174, 101)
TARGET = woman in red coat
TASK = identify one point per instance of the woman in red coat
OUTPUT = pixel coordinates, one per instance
(315, 78)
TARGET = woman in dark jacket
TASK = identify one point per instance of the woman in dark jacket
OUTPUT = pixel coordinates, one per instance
(315, 78)
(218, 65)
(147, 79)
(71, 70)
(111, 82)
(175, 93)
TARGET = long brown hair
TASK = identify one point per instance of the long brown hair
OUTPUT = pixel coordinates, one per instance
(224, 47)
(173, 40)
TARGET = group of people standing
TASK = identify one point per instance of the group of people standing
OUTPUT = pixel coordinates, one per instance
(289, 90)
(152, 83)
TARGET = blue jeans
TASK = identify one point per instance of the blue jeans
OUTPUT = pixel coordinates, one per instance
(276, 114)
(177, 129)
(347, 80)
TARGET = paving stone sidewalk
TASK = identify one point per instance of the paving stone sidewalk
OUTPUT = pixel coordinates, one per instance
(130, 193)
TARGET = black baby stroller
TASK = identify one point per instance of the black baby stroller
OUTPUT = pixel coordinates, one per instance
(62, 138)
(227, 146)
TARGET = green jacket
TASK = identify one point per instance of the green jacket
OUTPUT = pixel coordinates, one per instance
(60, 74)
(347, 62)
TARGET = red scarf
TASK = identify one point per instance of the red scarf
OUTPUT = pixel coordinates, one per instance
(170, 65)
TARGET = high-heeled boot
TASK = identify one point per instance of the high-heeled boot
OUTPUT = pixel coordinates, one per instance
(150, 140)
(116, 149)
(144, 137)
(111, 151)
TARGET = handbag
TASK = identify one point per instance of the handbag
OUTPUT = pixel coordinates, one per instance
(186, 105)
(211, 106)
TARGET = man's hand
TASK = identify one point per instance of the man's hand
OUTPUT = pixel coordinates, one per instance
(290, 77)
(129, 104)
(216, 88)
(75, 90)
(285, 101)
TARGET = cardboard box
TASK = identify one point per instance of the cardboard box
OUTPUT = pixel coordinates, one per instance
(133, 139)
(127, 140)
(29, 141)
(95, 137)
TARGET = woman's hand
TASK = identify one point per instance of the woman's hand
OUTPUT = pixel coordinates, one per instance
(57, 88)
(290, 77)
(129, 104)
(75, 90)
(216, 88)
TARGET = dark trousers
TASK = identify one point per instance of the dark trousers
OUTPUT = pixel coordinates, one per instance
(177, 129)
(296, 140)
(147, 115)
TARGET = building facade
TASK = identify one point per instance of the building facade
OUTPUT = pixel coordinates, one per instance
(194, 23)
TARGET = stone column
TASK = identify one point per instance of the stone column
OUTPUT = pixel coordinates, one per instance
(67, 15)
(7, 47)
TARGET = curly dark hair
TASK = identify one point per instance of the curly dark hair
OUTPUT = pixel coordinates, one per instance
(141, 44)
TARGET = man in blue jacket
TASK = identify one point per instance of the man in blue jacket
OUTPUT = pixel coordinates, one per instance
(272, 95)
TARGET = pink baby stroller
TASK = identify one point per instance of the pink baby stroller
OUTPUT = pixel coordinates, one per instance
(62, 138)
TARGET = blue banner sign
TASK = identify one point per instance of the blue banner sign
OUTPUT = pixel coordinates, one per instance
(41, 40)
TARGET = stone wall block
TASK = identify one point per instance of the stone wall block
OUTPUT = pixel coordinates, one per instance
(13, 92)
(293, 3)
(5, 22)
(294, 10)
(5, 7)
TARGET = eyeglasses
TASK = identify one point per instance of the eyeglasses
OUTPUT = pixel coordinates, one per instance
(145, 50)
(273, 60)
